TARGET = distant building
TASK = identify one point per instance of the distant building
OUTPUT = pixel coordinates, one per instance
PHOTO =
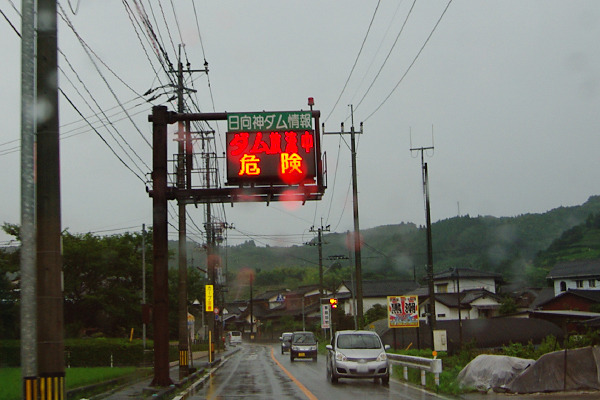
(579, 274)
(477, 297)
(466, 279)
(474, 303)
(373, 292)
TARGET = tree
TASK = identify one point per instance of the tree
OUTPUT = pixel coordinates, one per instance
(9, 295)
(508, 306)
(103, 282)
(375, 313)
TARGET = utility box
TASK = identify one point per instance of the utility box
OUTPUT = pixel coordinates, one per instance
(440, 340)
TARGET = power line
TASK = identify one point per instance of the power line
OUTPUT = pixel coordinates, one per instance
(87, 51)
(388, 55)
(98, 133)
(355, 61)
(412, 63)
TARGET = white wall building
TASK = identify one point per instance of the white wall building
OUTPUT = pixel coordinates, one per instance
(580, 274)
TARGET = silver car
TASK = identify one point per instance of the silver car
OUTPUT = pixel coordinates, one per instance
(357, 354)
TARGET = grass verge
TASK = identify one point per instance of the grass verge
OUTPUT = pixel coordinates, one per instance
(10, 378)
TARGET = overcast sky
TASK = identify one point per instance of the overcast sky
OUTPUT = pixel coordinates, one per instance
(510, 90)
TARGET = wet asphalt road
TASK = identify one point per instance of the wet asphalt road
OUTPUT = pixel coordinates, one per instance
(257, 372)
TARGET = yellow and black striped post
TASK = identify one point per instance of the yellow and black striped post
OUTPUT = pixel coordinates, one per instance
(183, 358)
(52, 387)
(30, 388)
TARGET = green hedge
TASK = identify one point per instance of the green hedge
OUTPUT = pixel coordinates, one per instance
(96, 352)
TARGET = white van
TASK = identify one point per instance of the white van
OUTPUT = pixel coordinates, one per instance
(235, 338)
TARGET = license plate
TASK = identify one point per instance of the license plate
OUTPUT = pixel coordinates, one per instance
(301, 354)
(362, 369)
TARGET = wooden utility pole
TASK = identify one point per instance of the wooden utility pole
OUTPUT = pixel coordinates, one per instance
(356, 235)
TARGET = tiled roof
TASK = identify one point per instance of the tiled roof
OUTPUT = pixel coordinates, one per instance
(466, 297)
(467, 273)
(384, 288)
(593, 295)
(575, 269)
(544, 295)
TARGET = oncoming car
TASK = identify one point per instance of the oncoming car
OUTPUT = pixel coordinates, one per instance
(303, 345)
(357, 354)
(286, 341)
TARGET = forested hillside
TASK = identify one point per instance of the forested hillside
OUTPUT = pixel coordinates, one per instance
(507, 245)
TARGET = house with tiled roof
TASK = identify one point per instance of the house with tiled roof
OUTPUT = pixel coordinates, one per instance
(466, 279)
(578, 274)
(572, 299)
(471, 291)
(473, 303)
(374, 292)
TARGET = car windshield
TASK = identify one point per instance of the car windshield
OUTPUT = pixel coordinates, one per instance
(306, 338)
(358, 341)
(236, 333)
(287, 337)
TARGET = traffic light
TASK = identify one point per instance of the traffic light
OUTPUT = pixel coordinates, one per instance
(333, 302)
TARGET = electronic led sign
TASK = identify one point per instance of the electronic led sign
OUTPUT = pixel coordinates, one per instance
(270, 148)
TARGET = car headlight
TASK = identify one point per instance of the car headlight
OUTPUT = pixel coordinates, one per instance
(313, 348)
(382, 357)
(340, 357)
(295, 348)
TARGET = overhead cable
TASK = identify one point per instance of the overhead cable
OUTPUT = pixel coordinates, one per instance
(412, 63)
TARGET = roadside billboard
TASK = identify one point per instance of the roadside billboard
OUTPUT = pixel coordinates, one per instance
(403, 311)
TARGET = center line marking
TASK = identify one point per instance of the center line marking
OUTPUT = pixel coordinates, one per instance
(296, 381)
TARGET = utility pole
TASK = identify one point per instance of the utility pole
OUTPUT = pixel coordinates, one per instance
(251, 307)
(431, 287)
(460, 336)
(28, 232)
(182, 262)
(320, 231)
(144, 281)
(210, 261)
(184, 169)
(50, 315)
(356, 236)
(160, 312)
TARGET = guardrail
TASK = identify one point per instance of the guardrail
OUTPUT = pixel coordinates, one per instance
(433, 365)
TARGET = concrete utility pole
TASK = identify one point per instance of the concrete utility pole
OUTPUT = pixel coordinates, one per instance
(431, 287)
(356, 236)
(144, 281)
(320, 231)
(50, 315)
(183, 336)
(28, 249)
(184, 173)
